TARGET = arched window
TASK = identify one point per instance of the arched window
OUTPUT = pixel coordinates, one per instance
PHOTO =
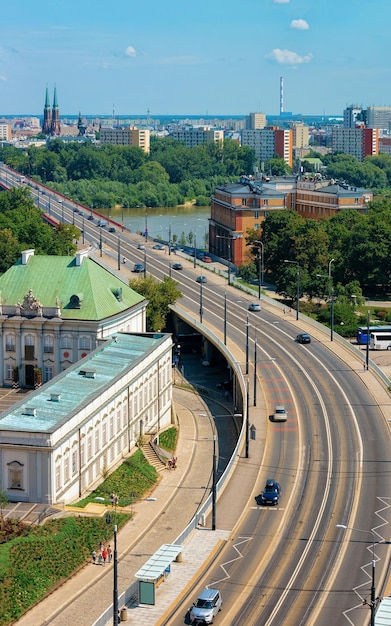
(15, 475)
(84, 343)
(10, 343)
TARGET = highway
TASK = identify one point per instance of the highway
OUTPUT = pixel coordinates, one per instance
(287, 564)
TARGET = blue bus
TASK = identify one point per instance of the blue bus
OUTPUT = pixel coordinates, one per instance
(362, 336)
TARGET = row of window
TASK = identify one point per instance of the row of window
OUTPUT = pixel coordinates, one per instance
(66, 342)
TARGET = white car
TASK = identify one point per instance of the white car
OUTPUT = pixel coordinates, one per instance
(254, 306)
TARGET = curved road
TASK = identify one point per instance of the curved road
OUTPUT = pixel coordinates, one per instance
(290, 564)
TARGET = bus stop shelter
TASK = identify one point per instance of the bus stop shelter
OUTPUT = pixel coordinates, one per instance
(155, 570)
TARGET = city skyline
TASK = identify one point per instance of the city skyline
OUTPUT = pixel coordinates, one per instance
(210, 60)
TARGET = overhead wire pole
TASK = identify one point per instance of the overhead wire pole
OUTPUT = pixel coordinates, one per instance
(225, 317)
(255, 372)
(247, 348)
(260, 267)
(247, 418)
(297, 285)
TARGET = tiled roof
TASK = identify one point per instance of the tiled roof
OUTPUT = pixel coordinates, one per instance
(58, 277)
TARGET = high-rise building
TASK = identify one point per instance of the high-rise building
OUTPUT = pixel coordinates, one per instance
(197, 136)
(255, 121)
(269, 141)
(379, 117)
(359, 142)
(353, 116)
(130, 136)
(5, 132)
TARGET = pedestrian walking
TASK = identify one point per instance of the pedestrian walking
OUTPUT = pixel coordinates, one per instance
(284, 310)
(100, 558)
(109, 553)
(100, 547)
(104, 555)
(93, 557)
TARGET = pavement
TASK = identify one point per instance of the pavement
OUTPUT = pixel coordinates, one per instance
(160, 519)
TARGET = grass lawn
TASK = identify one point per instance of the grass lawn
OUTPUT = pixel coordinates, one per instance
(36, 559)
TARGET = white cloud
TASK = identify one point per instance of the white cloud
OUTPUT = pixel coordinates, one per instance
(300, 24)
(130, 51)
(288, 57)
(3, 77)
(281, 1)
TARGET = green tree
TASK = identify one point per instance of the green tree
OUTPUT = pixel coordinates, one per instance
(159, 295)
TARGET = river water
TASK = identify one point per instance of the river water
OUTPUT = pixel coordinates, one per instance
(158, 221)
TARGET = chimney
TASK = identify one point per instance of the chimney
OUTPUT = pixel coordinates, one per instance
(26, 254)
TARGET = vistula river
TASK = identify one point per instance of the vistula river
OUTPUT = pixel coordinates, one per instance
(158, 221)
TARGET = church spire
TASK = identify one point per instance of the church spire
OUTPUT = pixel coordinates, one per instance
(56, 126)
(47, 123)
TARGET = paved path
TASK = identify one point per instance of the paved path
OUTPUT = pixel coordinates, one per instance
(83, 598)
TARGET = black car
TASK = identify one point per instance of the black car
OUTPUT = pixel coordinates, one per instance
(138, 268)
(303, 338)
(271, 493)
(201, 279)
(177, 266)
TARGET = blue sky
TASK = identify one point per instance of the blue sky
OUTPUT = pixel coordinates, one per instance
(210, 57)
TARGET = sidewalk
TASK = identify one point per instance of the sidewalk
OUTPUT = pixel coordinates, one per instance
(82, 599)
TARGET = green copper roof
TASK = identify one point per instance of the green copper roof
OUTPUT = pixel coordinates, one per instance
(55, 103)
(100, 293)
(47, 102)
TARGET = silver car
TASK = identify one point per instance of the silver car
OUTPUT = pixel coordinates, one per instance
(206, 608)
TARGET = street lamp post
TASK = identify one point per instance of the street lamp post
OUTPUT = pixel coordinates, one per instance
(195, 251)
(260, 266)
(229, 239)
(114, 503)
(214, 481)
(119, 253)
(62, 209)
(367, 346)
(247, 356)
(372, 603)
(83, 226)
(247, 418)
(145, 262)
(201, 309)
(255, 372)
(297, 285)
(329, 276)
(146, 227)
(225, 317)
(100, 241)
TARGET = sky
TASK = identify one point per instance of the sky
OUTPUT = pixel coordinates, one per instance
(209, 57)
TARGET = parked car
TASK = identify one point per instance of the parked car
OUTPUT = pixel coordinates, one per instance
(303, 338)
(280, 414)
(254, 306)
(158, 246)
(138, 268)
(177, 266)
(205, 258)
(201, 279)
(208, 604)
(270, 494)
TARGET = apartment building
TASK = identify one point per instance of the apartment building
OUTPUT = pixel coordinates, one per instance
(197, 136)
(5, 132)
(359, 142)
(130, 136)
(269, 141)
(378, 117)
(255, 121)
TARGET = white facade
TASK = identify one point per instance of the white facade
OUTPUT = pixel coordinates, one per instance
(56, 444)
(50, 324)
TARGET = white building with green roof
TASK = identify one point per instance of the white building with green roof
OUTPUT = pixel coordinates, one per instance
(55, 310)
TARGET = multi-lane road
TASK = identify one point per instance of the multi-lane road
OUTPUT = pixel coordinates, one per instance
(288, 564)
